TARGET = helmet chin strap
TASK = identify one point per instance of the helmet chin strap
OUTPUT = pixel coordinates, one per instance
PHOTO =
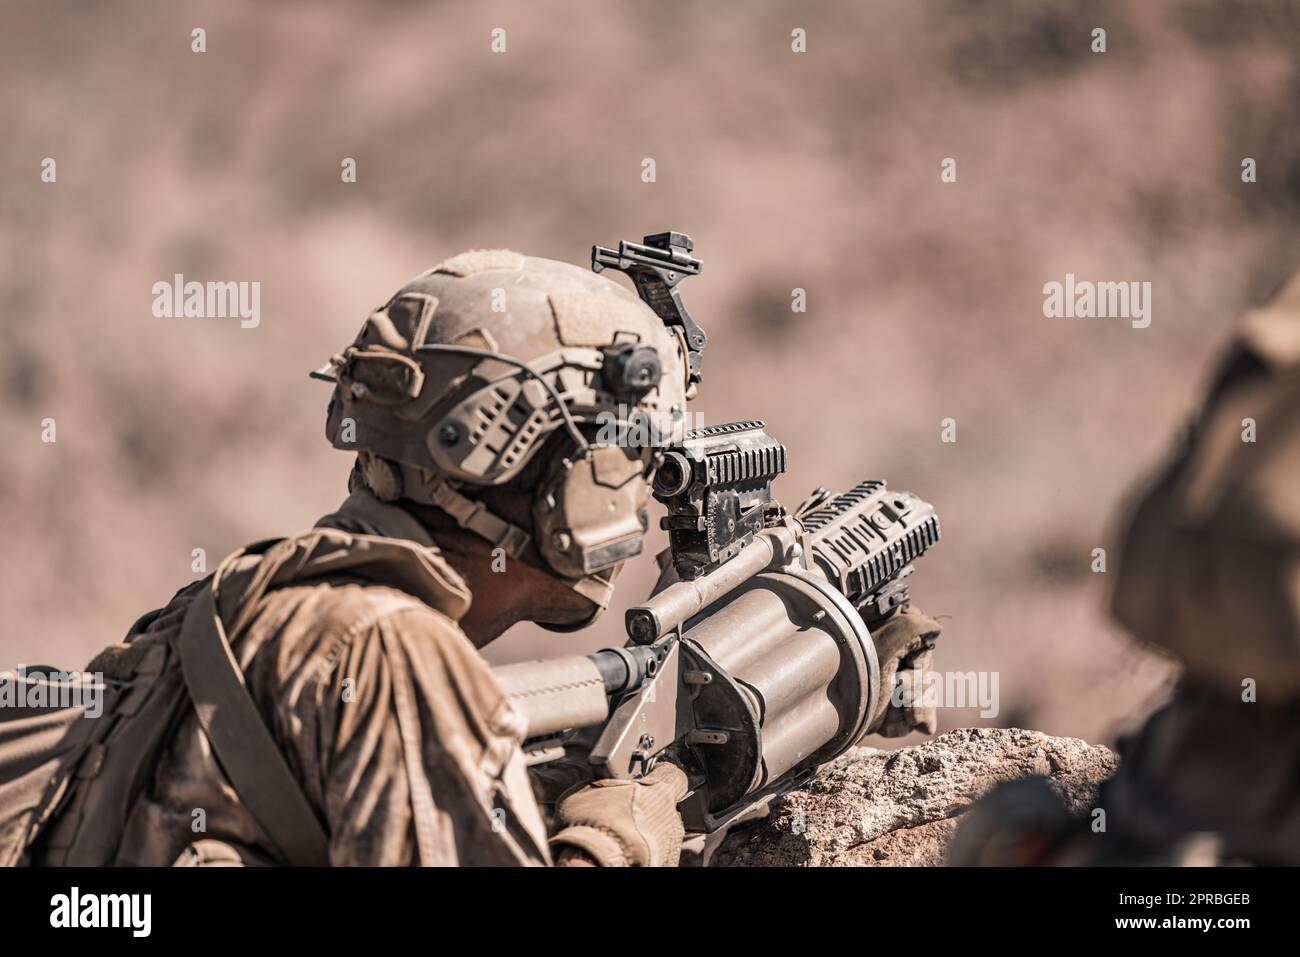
(389, 481)
(598, 589)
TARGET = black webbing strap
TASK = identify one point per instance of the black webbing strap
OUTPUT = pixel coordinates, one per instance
(243, 744)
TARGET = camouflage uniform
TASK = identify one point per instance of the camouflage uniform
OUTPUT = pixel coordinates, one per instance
(387, 715)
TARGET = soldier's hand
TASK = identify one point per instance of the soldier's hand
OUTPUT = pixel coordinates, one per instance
(622, 823)
(904, 645)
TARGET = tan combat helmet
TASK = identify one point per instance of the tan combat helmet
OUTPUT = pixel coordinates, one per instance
(464, 374)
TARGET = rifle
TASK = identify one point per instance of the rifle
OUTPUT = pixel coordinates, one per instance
(753, 664)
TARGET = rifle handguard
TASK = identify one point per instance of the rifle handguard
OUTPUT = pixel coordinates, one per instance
(573, 692)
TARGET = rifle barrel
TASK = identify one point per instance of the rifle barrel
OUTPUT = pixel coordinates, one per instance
(683, 599)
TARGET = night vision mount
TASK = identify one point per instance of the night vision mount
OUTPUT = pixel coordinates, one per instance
(656, 265)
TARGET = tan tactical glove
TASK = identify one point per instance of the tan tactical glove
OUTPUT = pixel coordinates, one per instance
(904, 646)
(622, 823)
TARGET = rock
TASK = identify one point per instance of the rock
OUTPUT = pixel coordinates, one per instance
(891, 808)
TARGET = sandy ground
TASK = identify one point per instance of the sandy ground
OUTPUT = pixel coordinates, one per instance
(817, 171)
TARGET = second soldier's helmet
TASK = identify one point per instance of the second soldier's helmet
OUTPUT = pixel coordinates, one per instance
(462, 377)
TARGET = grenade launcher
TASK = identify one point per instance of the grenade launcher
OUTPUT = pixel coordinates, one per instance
(753, 663)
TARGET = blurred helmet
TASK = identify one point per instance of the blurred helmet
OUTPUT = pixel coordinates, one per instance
(462, 377)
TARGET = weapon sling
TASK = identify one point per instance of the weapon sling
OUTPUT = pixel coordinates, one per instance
(240, 738)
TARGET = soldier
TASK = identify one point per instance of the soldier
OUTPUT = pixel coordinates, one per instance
(321, 699)
(478, 500)
(1210, 571)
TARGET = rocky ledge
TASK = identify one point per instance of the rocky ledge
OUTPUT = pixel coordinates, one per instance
(898, 808)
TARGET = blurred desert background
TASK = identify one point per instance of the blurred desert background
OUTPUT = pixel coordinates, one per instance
(818, 171)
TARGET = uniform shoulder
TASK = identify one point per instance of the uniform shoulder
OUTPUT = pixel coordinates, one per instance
(312, 625)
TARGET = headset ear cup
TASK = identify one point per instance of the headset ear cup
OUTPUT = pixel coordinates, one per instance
(549, 521)
(548, 514)
(587, 516)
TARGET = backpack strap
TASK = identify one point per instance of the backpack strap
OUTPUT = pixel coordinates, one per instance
(243, 744)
